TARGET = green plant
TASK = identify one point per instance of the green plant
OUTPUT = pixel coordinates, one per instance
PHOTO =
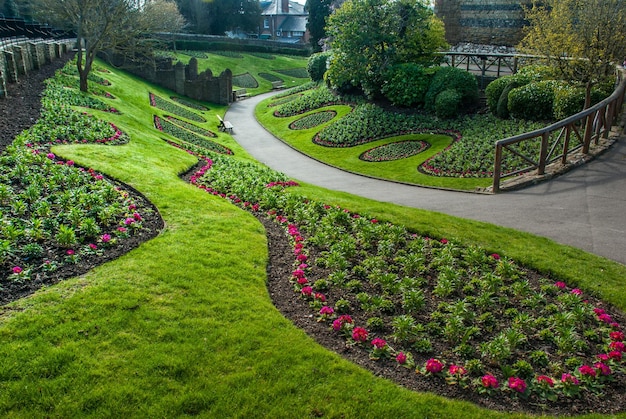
(406, 84)
(447, 104)
(452, 78)
(317, 65)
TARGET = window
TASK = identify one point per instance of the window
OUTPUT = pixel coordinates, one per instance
(297, 33)
(266, 23)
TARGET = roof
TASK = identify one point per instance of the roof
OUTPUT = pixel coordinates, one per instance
(269, 7)
(294, 24)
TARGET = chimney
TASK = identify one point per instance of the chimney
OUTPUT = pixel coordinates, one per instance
(285, 6)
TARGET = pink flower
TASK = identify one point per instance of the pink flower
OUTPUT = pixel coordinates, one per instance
(93, 246)
(434, 366)
(298, 273)
(70, 252)
(615, 355)
(616, 336)
(379, 343)
(301, 257)
(17, 270)
(560, 284)
(616, 346)
(587, 370)
(489, 381)
(602, 368)
(132, 207)
(359, 334)
(457, 370)
(121, 229)
(345, 318)
(517, 384)
(495, 256)
(605, 318)
(374, 220)
(320, 297)
(569, 379)
(545, 379)
(577, 291)
(444, 241)
(307, 291)
(70, 162)
(302, 281)
(598, 311)
(105, 238)
(129, 221)
(137, 216)
(602, 357)
(326, 311)
(337, 324)
(51, 156)
(401, 358)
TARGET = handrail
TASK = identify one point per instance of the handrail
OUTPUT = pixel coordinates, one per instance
(585, 126)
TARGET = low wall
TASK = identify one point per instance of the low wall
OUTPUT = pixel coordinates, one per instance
(18, 58)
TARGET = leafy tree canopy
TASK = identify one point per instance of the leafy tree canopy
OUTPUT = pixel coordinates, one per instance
(370, 36)
(215, 17)
(318, 10)
(582, 39)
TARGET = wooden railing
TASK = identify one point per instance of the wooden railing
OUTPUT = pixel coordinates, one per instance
(561, 139)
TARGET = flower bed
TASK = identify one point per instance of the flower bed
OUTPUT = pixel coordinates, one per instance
(189, 104)
(299, 73)
(188, 136)
(313, 120)
(196, 54)
(191, 127)
(270, 77)
(394, 151)
(454, 315)
(229, 54)
(167, 106)
(308, 101)
(245, 80)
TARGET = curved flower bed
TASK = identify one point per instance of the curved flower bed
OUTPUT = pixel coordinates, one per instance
(312, 120)
(190, 126)
(270, 77)
(167, 106)
(188, 136)
(394, 151)
(189, 104)
(299, 73)
(245, 80)
(454, 315)
(308, 101)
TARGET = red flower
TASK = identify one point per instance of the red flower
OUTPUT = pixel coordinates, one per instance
(616, 355)
(434, 366)
(577, 291)
(517, 384)
(321, 297)
(326, 311)
(489, 381)
(495, 256)
(307, 291)
(569, 379)
(379, 343)
(17, 270)
(457, 370)
(337, 324)
(616, 336)
(605, 318)
(602, 368)
(616, 346)
(359, 334)
(401, 358)
(545, 379)
(587, 370)
(560, 284)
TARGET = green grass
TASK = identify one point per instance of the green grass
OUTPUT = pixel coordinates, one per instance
(403, 170)
(183, 325)
(254, 65)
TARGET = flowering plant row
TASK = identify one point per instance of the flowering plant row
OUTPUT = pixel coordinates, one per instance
(189, 104)
(183, 134)
(167, 106)
(474, 319)
(313, 120)
(245, 80)
(394, 151)
(196, 54)
(299, 73)
(270, 77)
(308, 101)
(191, 127)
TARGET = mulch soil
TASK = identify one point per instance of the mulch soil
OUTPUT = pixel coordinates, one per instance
(21, 109)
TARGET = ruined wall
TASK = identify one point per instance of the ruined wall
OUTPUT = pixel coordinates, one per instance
(492, 22)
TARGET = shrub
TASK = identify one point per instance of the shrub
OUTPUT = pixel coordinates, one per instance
(317, 66)
(494, 90)
(406, 84)
(447, 103)
(534, 100)
(447, 78)
(502, 110)
(568, 100)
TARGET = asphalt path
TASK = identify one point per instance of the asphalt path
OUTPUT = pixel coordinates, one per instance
(585, 208)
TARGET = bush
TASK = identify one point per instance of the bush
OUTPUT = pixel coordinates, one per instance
(317, 66)
(534, 100)
(568, 100)
(447, 78)
(494, 90)
(406, 84)
(448, 103)
(502, 110)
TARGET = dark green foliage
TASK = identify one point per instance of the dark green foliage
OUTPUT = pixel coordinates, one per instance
(245, 80)
(447, 78)
(494, 90)
(447, 103)
(502, 110)
(533, 101)
(318, 11)
(407, 84)
(317, 66)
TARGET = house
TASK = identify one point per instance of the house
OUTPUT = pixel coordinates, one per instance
(284, 20)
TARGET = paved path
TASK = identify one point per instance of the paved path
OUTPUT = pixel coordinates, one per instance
(585, 208)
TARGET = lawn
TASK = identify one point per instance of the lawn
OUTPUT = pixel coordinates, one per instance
(184, 325)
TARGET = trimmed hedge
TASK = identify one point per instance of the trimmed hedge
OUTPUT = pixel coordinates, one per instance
(534, 101)
(317, 65)
(448, 103)
(407, 84)
(447, 78)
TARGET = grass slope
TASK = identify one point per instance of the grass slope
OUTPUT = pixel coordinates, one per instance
(184, 325)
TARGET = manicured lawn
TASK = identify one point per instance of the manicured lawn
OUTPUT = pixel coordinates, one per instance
(184, 324)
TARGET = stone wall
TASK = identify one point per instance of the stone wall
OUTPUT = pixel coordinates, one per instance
(18, 58)
(182, 79)
(492, 22)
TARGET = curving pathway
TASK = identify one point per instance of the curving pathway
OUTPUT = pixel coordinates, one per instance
(585, 208)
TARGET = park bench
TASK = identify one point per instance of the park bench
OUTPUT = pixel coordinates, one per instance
(279, 84)
(240, 94)
(224, 126)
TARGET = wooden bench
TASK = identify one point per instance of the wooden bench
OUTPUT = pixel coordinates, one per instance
(240, 94)
(279, 84)
(224, 126)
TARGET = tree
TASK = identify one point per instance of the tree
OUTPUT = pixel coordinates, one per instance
(582, 39)
(318, 11)
(370, 36)
(215, 17)
(101, 25)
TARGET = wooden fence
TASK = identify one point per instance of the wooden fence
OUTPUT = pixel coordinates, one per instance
(561, 139)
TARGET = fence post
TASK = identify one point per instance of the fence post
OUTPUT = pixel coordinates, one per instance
(588, 133)
(543, 154)
(566, 144)
(497, 169)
